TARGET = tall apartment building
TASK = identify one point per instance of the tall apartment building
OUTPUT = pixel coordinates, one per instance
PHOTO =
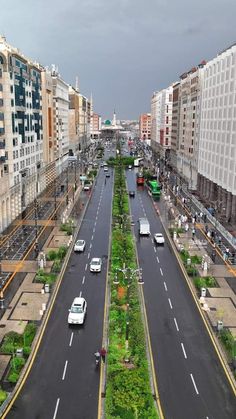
(60, 119)
(95, 127)
(145, 126)
(84, 121)
(74, 104)
(161, 121)
(217, 141)
(175, 125)
(189, 124)
(21, 134)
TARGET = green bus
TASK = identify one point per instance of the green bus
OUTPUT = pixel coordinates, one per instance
(154, 188)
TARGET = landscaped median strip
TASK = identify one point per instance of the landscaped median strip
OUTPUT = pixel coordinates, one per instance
(128, 391)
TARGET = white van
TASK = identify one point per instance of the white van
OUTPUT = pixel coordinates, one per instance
(144, 227)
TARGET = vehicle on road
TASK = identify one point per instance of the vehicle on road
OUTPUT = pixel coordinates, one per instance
(79, 246)
(132, 194)
(144, 227)
(87, 187)
(140, 178)
(96, 265)
(105, 169)
(78, 310)
(154, 189)
(108, 174)
(130, 167)
(159, 238)
(97, 358)
(138, 161)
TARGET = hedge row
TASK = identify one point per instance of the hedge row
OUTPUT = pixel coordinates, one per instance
(128, 393)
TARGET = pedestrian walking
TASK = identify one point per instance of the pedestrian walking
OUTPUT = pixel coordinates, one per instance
(103, 353)
(213, 256)
(193, 233)
(186, 227)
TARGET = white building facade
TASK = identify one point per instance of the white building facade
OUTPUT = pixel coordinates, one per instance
(161, 121)
(21, 135)
(217, 141)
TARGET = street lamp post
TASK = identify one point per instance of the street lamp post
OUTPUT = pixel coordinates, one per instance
(55, 198)
(36, 225)
(67, 185)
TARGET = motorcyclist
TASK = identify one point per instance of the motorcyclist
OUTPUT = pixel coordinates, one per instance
(97, 357)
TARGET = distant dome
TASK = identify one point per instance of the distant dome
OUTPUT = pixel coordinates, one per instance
(108, 122)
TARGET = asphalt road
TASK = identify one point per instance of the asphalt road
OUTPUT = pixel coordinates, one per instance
(191, 380)
(64, 382)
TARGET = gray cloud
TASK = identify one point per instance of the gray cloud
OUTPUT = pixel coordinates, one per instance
(122, 50)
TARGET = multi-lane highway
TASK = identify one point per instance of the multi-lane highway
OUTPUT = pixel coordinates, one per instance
(191, 381)
(64, 382)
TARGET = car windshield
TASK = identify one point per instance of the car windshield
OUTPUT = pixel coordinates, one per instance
(75, 309)
(95, 262)
(80, 242)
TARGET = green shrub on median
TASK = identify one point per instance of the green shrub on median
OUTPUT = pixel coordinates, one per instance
(128, 393)
(3, 396)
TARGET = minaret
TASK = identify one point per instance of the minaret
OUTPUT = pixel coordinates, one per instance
(77, 84)
(114, 118)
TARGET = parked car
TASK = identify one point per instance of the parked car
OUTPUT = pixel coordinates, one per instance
(132, 194)
(77, 312)
(96, 265)
(79, 246)
(159, 238)
(87, 187)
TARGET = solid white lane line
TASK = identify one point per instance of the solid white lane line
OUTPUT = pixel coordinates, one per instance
(71, 338)
(64, 372)
(92, 237)
(158, 260)
(88, 255)
(83, 280)
(56, 409)
(86, 267)
(183, 349)
(154, 249)
(170, 303)
(161, 271)
(90, 245)
(191, 375)
(165, 286)
(176, 324)
(80, 293)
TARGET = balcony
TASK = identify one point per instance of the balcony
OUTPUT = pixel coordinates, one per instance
(2, 145)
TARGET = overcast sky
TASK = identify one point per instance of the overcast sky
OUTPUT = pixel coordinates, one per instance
(121, 50)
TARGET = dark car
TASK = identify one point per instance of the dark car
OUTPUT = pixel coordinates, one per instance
(132, 194)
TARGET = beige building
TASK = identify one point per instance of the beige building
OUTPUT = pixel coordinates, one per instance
(84, 121)
(145, 126)
(74, 104)
(189, 124)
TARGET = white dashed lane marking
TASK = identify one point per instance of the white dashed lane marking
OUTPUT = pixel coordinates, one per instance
(170, 303)
(56, 408)
(83, 280)
(194, 384)
(176, 324)
(165, 286)
(183, 349)
(71, 338)
(161, 271)
(64, 372)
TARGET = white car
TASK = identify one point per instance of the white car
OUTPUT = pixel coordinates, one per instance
(96, 265)
(105, 169)
(77, 312)
(130, 167)
(87, 187)
(79, 246)
(159, 238)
